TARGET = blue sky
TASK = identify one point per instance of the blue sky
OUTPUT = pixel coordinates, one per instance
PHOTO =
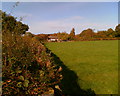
(52, 17)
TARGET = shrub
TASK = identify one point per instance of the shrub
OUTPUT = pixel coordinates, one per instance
(27, 68)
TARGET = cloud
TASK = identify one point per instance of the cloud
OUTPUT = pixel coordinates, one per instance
(55, 25)
(66, 25)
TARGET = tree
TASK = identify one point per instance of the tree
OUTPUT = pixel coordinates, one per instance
(110, 32)
(11, 26)
(87, 34)
(72, 34)
(29, 34)
(101, 34)
(63, 36)
(117, 31)
(42, 37)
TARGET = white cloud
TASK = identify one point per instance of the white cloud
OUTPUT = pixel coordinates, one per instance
(54, 26)
(66, 25)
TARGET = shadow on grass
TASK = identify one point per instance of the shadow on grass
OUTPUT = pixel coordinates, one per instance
(69, 84)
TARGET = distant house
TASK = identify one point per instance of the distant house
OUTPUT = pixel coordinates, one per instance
(53, 39)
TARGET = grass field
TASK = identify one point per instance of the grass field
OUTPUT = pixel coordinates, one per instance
(95, 64)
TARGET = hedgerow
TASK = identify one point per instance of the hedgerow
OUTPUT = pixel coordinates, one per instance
(27, 69)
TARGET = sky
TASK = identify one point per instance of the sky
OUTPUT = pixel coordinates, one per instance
(53, 17)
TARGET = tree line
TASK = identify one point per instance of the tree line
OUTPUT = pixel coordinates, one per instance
(87, 34)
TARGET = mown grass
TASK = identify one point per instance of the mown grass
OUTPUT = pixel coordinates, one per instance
(94, 62)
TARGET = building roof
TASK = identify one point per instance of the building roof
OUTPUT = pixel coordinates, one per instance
(53, 37)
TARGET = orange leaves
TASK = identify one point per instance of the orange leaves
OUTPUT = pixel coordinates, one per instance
(60, 69)
(39, 60)
(48, 63)
(9, 81)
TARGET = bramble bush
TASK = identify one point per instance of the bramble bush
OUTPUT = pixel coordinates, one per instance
(27, 69)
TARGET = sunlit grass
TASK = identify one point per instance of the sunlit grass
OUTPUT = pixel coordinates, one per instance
(94, 62)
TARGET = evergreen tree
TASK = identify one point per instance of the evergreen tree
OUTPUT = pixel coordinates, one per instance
(72, 34)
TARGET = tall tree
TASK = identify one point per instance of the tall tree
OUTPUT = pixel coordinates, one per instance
(72, 34)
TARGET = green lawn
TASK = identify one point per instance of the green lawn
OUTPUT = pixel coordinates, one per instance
(94, 62)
